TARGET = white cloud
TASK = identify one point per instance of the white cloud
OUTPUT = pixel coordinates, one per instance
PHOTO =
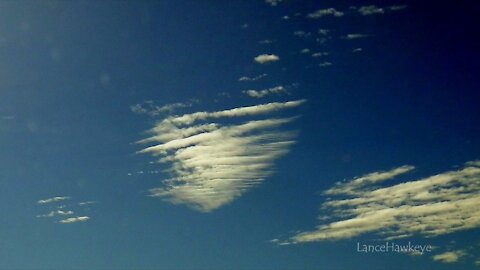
(450, 256)
(266, 58)
(319, 54)
(306, 50)
(323, 32)
(56, 213)
(54, 199)
(211, 164)
(74, 220)
(261, 93)
(357, 50)
(370, 10)
(431, 206)
(273, 3)
(301, 34)
(250, 79)
(356, 36)
(86, 203)
(325, 12)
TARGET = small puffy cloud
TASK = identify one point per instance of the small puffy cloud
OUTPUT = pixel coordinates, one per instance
(429, 207)
(450, 256)
(357, 50)
(325, 12)
(266, 58)
(273, 3)
(261, 93)
(212, 163)
(74, 220)
(323, 32)
(251, 79)
(53, 199)
(370, 10)
(306, 50)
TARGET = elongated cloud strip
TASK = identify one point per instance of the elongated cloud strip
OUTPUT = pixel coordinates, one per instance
(266, 58)
(211, 164)
(449, 256)
(432, 206)
(250, 79)
(264, 92)
(325, 12)
(74, 220)
(53, 199)
(370, 10)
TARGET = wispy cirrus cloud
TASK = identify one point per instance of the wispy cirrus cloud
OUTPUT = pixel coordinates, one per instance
(53, 199)
(251, 79)
(56, 213)
(325, 12)
(429, 207)
(265, 92)
(211, 164)
(450, 256)
(150, 108)
(356, 36)
(266, 58)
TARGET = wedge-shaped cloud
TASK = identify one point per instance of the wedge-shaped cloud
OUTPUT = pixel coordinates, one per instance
(53, 199)
(325, 12)
(450, 256)
(211, 164)
(432, 206)
(264, 92)
(266, 58)
(74, 220)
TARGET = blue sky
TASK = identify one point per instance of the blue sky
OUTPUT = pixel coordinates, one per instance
(238, 134)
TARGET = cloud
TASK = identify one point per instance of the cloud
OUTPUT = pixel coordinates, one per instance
(273, 3)
(319, 54)
(261, 93)
(302, 34)
(355, 36)
(370, 10)
(323, 32)
(325, 64)
(8, 117)
(449, 256)
(74, 220)
(306, 50)
(266, 58)
(149, 108)
(429, 207)
(357, 50)
(211, 164)
(86, 203)
(56, 213)
(325, 12)
(53, 199)
(250, 79)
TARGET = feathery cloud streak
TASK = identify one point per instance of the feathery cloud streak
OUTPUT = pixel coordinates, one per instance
(431, 206)
(211, 164)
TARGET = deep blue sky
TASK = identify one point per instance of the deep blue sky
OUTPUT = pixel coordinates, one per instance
(71, 70)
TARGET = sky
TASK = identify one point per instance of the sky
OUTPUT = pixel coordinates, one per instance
(260, 134)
